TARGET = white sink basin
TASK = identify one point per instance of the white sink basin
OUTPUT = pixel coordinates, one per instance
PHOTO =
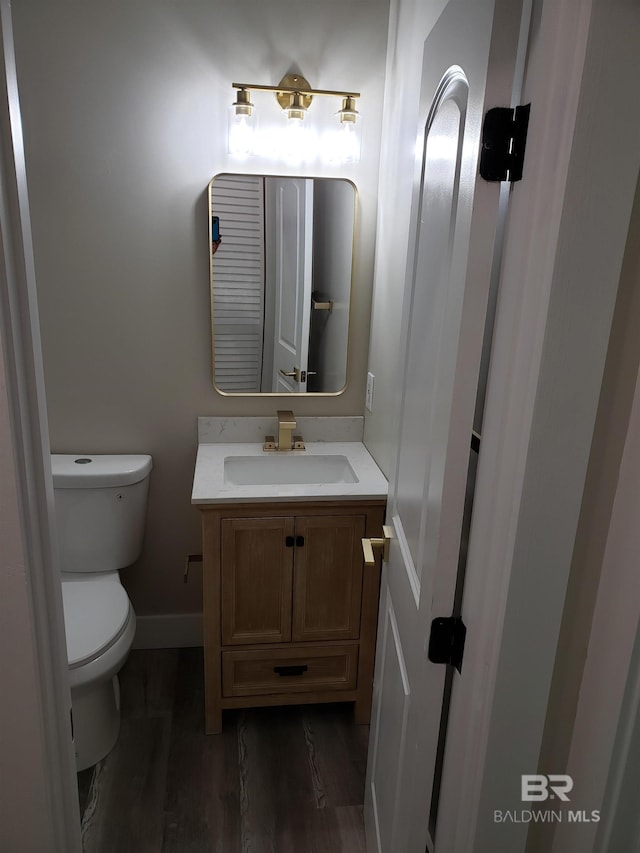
(241, 472)
(277, 469)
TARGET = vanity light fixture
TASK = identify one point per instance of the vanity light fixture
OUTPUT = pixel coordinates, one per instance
(295, 95)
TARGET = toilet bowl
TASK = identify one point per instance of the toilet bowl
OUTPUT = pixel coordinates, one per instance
(100, 625)
(100, 504)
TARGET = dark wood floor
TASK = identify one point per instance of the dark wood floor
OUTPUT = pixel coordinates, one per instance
(277, 780)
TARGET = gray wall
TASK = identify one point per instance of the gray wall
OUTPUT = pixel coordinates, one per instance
(125, 110)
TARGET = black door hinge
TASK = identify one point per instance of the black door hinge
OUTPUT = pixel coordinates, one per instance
(446, 641)
(504, 138)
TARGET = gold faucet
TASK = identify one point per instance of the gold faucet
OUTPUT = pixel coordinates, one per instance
(286, 425)
(286, 439)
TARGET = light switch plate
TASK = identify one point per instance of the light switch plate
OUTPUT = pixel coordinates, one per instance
(368, 400)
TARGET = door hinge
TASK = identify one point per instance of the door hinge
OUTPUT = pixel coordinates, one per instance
(446, 641)
(504, 138)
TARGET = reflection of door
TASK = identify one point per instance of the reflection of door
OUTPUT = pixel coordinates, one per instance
(453, 228)
(289, 234)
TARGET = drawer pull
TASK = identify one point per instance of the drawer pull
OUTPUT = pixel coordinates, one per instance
(297, 669)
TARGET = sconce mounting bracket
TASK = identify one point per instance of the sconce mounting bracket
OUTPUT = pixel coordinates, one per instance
(295, 83)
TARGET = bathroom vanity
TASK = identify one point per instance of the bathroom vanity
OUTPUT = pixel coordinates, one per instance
(290, 609)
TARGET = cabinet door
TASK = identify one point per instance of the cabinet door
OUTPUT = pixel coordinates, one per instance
(328, 577)
(256, 577)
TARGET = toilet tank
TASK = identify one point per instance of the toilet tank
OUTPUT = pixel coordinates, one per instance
(100, 506)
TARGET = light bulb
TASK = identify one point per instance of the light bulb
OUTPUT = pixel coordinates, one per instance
(342, 144)
(241, 136)
(349, 142)
(294, 140)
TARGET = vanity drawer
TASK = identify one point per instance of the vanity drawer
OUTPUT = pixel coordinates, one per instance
(296, 669)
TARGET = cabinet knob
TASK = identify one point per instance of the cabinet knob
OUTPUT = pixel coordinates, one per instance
(368, 546)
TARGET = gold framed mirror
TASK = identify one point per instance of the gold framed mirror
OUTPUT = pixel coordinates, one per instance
(281, 270)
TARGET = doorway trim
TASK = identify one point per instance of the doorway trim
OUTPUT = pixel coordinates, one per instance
(26, 449)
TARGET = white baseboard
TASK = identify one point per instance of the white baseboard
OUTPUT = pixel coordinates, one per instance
(168, 631)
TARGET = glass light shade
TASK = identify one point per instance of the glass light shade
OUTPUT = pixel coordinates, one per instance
(242, 130)
(350, 138)
(294, 140)
(342, 144)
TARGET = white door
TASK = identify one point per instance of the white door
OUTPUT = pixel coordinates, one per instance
(454, 216)
(289, 236)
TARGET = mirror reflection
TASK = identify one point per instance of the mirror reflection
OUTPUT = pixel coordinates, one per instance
(281, 265)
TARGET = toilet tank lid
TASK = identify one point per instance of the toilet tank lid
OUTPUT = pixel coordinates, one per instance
(95, 471)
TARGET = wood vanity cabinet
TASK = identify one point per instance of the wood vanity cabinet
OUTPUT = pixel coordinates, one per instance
(290, 610)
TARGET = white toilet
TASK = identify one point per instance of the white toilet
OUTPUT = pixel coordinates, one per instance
(100, 504)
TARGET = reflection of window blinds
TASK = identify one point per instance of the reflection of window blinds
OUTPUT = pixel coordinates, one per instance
(238, 282)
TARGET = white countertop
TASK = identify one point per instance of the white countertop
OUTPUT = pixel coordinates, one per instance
(209, 486)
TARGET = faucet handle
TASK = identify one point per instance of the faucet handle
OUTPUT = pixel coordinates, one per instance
(286, 419)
